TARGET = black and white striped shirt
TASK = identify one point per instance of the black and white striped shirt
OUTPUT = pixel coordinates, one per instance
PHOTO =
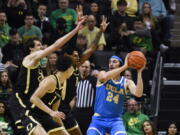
(85, 92)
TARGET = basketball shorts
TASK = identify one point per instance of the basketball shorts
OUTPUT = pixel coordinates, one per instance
(100, 126)
(32, 119)
(70, 122)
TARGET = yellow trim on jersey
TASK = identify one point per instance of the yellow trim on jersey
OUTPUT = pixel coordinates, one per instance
(18, 121)
(33, 67)
(20, 101)
(20, 127)
(27, 112)
(55, 129)
(63, 87)
(64, 90)
(33, 120)
(33, 105)
(32, 130)
(70, 129)
(27, 81)
(38, 124)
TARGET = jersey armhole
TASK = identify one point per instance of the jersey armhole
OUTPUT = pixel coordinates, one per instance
(32, 67)
(100, 84)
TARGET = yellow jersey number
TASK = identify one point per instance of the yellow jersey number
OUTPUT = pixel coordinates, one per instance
(112, 97)
(51, 102)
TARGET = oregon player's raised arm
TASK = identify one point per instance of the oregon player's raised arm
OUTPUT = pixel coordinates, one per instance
(93, 47)
(61, 41)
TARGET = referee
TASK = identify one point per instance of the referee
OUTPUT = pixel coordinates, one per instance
(85, 95)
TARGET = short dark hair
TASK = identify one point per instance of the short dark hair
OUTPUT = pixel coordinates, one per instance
(29, 14)
(30, 44)
(61, 24)
(94, 1)
(13, 31)
(63, 63)
(79, 50)
(42, 4)
(121, 2)
(71, 50)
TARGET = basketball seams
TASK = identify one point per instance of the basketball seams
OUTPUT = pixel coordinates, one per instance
(136, 59)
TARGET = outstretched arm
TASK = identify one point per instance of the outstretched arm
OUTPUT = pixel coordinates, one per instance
(60, 42)
(104, 76)
(88, 52)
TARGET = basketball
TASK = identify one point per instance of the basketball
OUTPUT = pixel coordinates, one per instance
(136, 59)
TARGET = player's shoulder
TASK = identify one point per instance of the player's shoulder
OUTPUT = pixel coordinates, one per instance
(30, 60)
(49, 83)
(101, 72)
(49, 79)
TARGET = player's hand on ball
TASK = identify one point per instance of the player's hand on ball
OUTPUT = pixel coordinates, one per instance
(141, 69)
(126, 60)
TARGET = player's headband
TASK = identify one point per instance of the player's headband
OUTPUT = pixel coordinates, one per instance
(118, 58)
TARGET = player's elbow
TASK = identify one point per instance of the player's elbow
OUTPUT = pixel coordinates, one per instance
(138, 95)
(102, 78)
(32, 99)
